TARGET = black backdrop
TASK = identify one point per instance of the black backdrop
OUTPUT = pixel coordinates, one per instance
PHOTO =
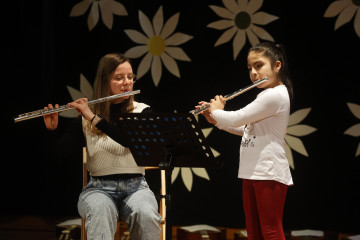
(44, 50)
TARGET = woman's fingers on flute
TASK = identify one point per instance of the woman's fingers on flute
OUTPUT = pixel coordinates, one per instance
(51, 120)
(50, 106)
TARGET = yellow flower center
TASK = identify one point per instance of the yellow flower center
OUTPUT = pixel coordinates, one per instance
(156, 45)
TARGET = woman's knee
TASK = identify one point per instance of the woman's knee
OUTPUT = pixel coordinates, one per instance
(96, 203)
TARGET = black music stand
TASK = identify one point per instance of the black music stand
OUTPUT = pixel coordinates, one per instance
(166, 141)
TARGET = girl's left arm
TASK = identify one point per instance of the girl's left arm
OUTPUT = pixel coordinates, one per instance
(265, 105)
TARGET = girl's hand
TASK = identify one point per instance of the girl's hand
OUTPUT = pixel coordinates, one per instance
(81, 105)
(217, 103)
(206, 113)
(51, 120)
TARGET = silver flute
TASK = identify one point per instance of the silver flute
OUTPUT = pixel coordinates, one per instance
(230, 96)
(42, 112)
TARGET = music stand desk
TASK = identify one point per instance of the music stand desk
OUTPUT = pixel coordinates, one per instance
(166, 140)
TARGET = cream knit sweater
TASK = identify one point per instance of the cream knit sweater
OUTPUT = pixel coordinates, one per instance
(105, 156)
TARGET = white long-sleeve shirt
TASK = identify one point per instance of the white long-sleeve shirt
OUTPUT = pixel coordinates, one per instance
(263, 124)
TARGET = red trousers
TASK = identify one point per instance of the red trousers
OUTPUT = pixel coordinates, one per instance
(263, 205)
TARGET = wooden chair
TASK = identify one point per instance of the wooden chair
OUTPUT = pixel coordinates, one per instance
(122, 224)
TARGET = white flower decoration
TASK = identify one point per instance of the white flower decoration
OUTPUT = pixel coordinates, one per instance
(86, 91)
(355, 129)
(239, 18)
(187, 173)
(158, 44)
(294, 131)
(107, 9)
(346, 9)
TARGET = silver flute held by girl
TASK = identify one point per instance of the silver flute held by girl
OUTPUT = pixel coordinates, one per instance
(42, 112)
(230, 96)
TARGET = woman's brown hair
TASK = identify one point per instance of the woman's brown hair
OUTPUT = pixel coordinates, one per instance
(105, 71)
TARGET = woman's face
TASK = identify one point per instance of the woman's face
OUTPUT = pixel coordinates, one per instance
(122, 81)
(260, 67)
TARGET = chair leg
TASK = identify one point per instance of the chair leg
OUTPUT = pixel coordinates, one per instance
(163, 206)
(83, 231)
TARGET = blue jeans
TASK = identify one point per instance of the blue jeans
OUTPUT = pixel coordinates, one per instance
(102, 202)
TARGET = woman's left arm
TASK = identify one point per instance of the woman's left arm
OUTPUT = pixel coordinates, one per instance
(112, 130)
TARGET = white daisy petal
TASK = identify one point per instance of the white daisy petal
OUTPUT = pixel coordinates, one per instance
(136, 36)
(187, 177)
(222, 12)
(174, 174)
(216, 153)
(74, 93)
(253, 39)
(345, 16)
(355, 109)
(357, 23)
(335, 8)
(177, 39)
(253, 6)
(80, 8)
(300, 130)
(201, 172)
(170, 26)
(206, 131)
(298, 116)
(85, 87)
(146, 24)
(221, 24)
(289, 156)
(137, 51)
(262, 18)
(177, 53)
(296, 144)
(144, 65)
(231, 5)
(353, 131)
(72, 113)
(156, 70)
(106, 13)
(117, 8)
(170, 64)
(239, 42)
(242, 5)
(226, 36)
(158, 21)
(261, 33)
(93, 17)
(357, 151)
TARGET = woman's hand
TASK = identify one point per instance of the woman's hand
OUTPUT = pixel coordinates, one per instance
(51, 120)
(81, 105)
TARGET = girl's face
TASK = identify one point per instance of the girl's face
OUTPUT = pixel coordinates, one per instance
(122, 81)
(260, 67)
